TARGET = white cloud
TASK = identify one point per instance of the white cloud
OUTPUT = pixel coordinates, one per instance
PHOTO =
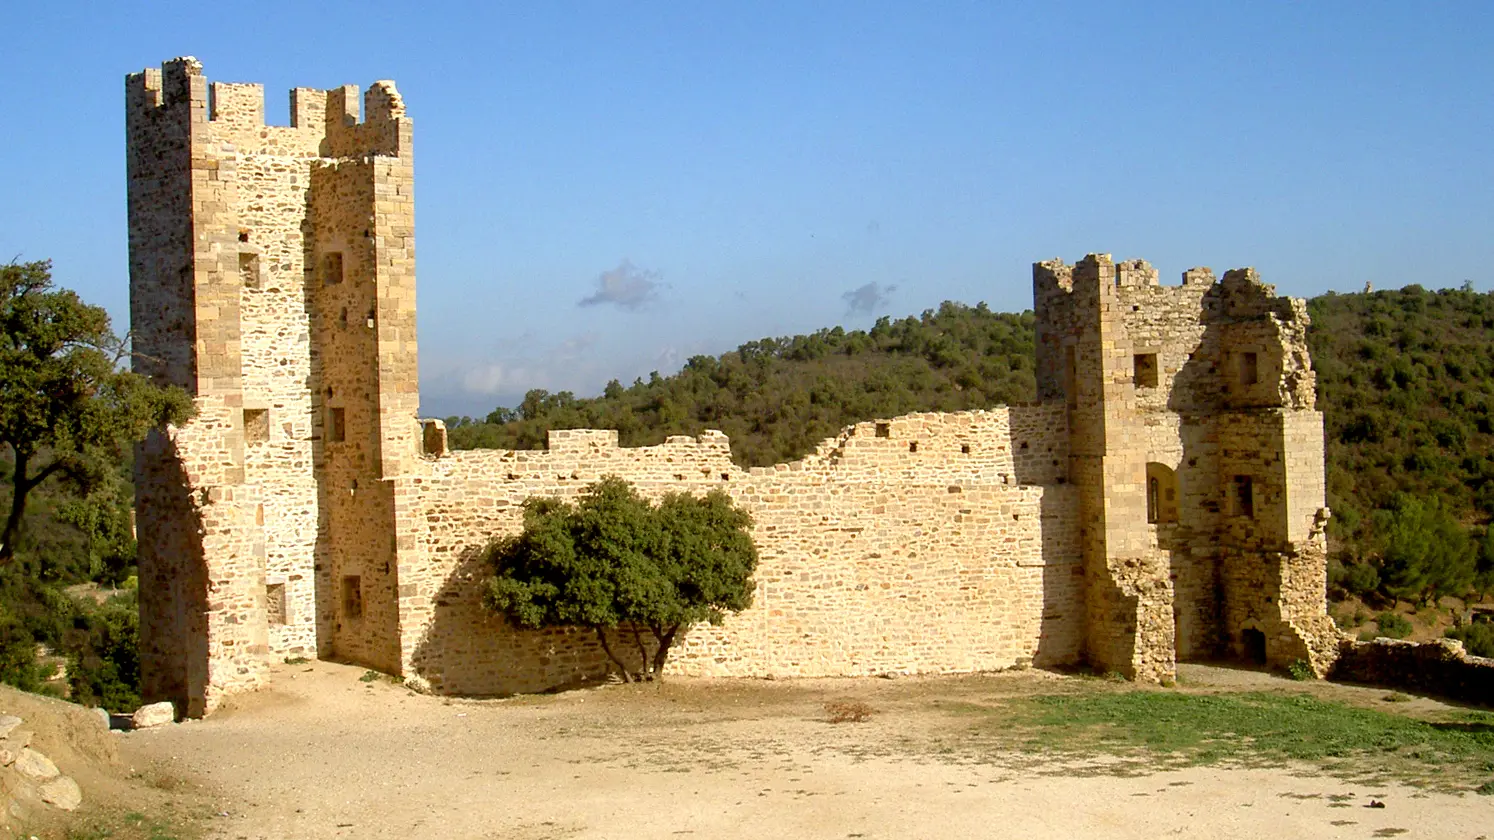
(864, 300)
(626, 286)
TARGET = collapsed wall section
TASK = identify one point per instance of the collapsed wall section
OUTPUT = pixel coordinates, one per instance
(926, 543)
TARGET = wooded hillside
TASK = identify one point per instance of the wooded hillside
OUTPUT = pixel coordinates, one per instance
(1405, 381)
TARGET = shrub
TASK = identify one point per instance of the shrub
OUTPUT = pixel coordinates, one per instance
(1302, 671)
(1393, 625)
(615, 562)
(1477, 639)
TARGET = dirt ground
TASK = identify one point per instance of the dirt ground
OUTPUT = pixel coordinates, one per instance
(324, 755)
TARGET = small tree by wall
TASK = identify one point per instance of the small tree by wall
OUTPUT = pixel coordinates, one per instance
(615, 563)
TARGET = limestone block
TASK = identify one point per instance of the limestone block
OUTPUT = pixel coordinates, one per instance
(35, 766)
(155, 714)
(62, 793)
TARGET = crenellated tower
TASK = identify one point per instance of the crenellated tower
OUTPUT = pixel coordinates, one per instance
(1197, 451)
(272, 275)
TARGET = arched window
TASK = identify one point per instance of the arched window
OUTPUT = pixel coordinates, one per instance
(1161, 494)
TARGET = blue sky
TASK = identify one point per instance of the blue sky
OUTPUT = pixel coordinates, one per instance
(605, 189)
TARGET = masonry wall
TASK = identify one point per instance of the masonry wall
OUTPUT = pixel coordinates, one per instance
(229, 219)
(926, 543)
(1208, 383)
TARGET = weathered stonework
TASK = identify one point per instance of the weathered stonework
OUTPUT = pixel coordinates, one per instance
(1164, 499)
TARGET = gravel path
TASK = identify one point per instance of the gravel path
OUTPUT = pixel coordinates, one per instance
(323, 755)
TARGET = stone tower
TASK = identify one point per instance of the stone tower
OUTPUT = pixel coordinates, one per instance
(1197, 452)
(272, 275)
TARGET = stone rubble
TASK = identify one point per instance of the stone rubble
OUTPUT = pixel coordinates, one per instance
(27, 775)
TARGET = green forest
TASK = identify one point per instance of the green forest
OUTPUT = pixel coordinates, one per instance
(1405, 380)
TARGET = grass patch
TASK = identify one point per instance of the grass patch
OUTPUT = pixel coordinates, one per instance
(1158, 729)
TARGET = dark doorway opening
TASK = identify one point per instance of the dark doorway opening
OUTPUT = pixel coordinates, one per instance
(1255, 646)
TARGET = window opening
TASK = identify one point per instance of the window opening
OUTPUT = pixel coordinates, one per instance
(337, 425)
(249, 270)
(1244, 496)
(1249, 369)
(256, 425)
(352, 596)
(1144, 370)
(884, 430)
(275, 603)
(332, 268)
(1071, 376)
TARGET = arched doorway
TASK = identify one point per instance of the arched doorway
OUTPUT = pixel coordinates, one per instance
(1253, 645)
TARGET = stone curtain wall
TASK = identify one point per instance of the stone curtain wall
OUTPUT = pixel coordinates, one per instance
(925, 543)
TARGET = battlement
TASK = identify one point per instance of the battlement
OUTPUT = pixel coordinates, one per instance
(1055, 278)
(331, 116)
(171, 84)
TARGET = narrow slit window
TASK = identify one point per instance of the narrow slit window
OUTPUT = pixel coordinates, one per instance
(1071, 376)
(1244, 496)
(1144, 370)
(332, 268)
(337, 425)
(249, 270)
(256, 425)
(352, 596)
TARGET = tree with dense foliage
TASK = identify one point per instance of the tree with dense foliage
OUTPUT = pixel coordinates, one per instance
(1426, 553)
(612, 562)
(66, 407)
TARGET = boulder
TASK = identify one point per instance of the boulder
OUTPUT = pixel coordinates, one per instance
(7, 724)
(62, 792)
(155, 714)
(35, 766)
(103, 715)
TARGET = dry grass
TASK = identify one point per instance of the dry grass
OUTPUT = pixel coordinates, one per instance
(841, 711)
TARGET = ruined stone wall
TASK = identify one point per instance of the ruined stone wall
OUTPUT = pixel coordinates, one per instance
(925, 543)
(1209, 384)
(1441, 668)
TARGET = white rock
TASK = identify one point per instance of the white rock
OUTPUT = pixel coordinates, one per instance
(103, 715)
(7, 756)
(35, 766)
(155, 714)
(63, 793)
(8, 723)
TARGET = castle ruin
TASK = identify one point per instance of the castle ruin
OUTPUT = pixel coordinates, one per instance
(1163, 500)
